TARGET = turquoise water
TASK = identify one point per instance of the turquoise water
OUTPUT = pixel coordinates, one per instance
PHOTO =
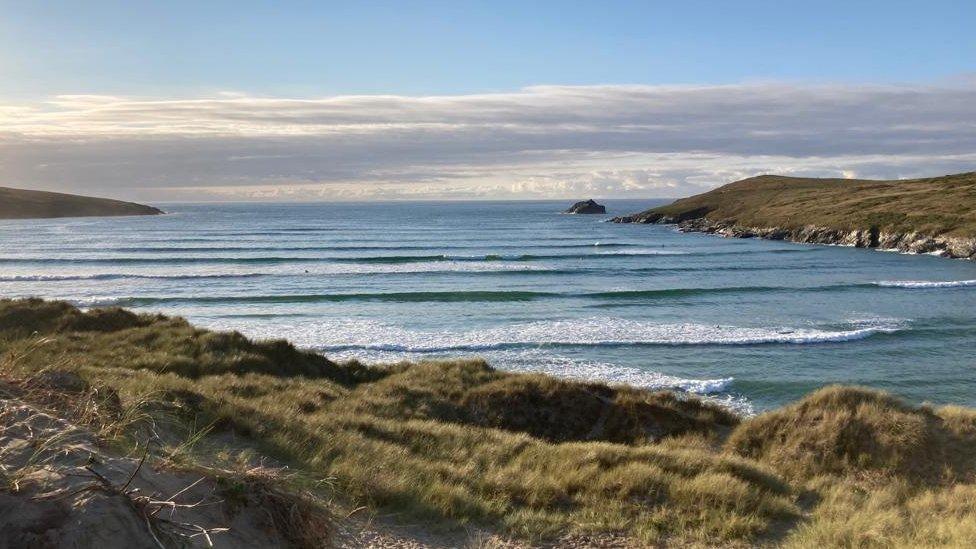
(748, 322)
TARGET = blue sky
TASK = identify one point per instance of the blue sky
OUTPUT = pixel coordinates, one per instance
(356, 100)
(325, 48)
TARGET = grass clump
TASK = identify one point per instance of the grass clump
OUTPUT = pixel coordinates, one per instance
(153, 342)
(894, 514)
(301, 516)
(849, 430)
(473, 393)
(560, 411)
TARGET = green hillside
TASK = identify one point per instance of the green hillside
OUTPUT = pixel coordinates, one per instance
(936, 206)
(25, 204)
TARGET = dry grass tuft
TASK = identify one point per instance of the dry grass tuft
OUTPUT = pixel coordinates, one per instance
(894, 514)
(300, 515)
(471, 392)
(46, 332)
(561, 411)
(848, 430)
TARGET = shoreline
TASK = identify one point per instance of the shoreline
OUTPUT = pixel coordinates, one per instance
(904, 242)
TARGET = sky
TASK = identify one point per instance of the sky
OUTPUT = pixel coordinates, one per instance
(161, 101)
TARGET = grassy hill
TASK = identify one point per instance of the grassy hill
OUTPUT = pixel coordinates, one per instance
(936, 207)
(25, 204)
(458, 446)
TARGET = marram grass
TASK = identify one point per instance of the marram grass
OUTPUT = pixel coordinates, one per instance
(533, 457)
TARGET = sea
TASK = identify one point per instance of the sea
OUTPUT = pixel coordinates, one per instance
(751, 324)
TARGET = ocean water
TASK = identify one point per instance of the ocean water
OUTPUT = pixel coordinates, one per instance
(750, 323)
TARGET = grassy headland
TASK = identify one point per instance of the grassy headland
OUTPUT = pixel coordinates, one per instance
(531, 457)
(25, 204)
(922, 215)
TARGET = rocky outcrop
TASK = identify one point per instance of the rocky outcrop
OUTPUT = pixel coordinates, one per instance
(587, 207)
(651, 216)
(872, 237)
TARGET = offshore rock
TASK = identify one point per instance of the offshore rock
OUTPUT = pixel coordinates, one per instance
(587, 207)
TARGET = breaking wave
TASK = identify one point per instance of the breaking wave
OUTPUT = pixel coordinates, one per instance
(346, 335)
(455, 296)
(922, 284)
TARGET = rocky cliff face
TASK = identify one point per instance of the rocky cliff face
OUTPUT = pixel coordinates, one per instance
(872, 237)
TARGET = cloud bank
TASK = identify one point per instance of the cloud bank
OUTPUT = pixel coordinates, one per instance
(542, 141)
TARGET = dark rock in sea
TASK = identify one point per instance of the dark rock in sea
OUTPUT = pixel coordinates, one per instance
(587, 207)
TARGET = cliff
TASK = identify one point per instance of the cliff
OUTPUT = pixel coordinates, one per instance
(932, 215)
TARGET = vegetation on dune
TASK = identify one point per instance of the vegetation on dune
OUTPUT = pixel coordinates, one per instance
(887, 512)
(458, 442)
(883, 473)
(937, 206)
(110, 337)
(845, 430)
(473, 393)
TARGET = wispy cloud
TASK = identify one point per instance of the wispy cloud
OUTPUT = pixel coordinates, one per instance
(564, 141)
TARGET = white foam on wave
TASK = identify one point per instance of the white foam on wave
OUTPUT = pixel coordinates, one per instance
(94, 301)
(645, 251)
(43, 278)
(936, 253)
(115, 276)
(920, 284)
(547, 362)
(336, 335)
(539, 361)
